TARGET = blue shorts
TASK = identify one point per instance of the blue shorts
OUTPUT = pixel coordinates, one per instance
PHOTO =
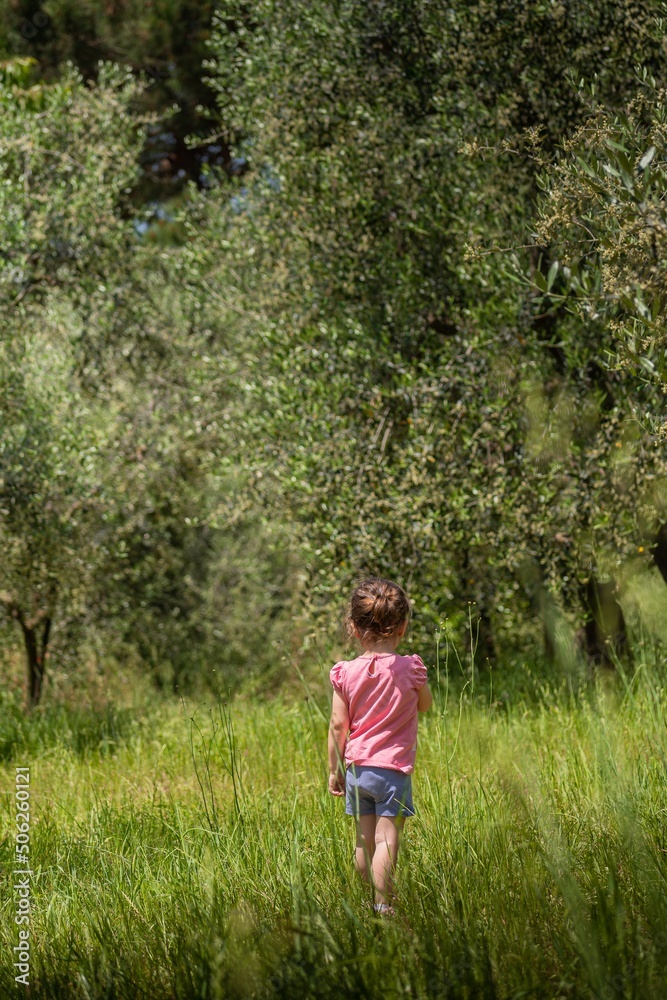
(379, 791)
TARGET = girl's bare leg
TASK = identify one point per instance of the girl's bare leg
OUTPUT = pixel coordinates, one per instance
(388, 830)
(365, 848)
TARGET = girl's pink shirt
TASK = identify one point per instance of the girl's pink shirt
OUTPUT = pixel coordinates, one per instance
(382, 707)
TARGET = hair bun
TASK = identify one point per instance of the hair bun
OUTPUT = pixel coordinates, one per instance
(377, 609)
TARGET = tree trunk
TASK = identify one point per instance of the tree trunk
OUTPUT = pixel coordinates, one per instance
(36, 632)
(542, 605)
(604, 635)
(35, 653)
(659, 551)
(480, 644)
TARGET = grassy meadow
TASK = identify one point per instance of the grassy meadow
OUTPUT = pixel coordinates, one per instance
(190, 849)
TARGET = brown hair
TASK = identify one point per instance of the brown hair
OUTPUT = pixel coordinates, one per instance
(376, 609)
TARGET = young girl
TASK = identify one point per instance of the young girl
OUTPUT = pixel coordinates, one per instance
(373, 730)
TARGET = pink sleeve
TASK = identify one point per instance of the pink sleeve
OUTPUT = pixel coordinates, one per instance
(419, 672)
(336, 676)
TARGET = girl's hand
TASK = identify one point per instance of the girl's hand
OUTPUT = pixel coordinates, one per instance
(336, 783)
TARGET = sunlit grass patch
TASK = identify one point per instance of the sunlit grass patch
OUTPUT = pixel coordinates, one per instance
(201, 856)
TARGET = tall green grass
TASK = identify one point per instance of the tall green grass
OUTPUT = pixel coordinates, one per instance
(194, 852)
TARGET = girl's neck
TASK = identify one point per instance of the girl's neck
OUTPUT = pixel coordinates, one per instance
(381, 647)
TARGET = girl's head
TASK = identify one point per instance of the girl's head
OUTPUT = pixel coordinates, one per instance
(377, 610)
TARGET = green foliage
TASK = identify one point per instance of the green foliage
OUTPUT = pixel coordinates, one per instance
(520, 60)
(342, 356)
(348, 255)
(105, 418)
(603, 216)
(165, 38)
(162, 43)
(59, 143)
(421, 414)
(51, 486)
(67, 161)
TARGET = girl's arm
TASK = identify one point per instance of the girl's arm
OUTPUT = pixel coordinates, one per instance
(338, 730)
(425, 699)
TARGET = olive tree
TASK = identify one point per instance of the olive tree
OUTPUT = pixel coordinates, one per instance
(416, 410)
(108, 398)
(51, 494)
